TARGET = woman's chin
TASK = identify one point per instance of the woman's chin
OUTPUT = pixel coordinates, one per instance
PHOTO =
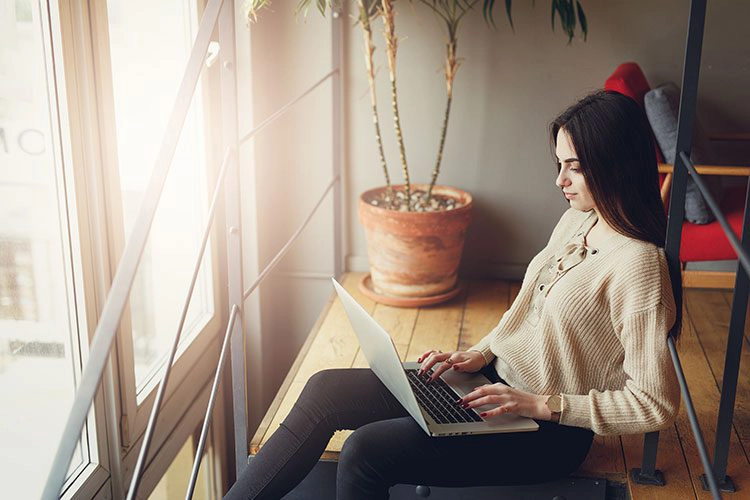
(583, 207)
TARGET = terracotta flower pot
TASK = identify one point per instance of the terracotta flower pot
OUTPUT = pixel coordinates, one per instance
(415, 254)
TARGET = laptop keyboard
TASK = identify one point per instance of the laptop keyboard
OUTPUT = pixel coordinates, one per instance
(440, 400)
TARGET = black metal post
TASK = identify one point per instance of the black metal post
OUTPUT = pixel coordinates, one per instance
(647, 474)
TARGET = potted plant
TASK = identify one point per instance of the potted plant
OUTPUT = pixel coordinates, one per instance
(415, 232)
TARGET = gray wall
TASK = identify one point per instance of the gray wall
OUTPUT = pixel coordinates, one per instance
(507, 90)
(286, 169)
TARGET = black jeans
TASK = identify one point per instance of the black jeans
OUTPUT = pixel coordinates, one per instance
(389, 447)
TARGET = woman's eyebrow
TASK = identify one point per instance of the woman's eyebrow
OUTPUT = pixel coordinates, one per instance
(569, 160)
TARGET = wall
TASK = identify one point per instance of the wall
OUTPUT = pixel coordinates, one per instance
(288, 167)
(508, 89)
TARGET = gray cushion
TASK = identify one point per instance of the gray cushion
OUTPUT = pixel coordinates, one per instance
(662, 107)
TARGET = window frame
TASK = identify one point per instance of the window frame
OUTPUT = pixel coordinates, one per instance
(135, 415)
(82, 89)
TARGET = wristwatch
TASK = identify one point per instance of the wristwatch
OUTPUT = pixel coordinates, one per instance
(554, 403)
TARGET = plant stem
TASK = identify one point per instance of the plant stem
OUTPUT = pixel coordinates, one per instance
(364, 18)
(391, 48)
(451, 66)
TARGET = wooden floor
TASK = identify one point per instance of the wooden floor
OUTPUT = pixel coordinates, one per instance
(458, 324)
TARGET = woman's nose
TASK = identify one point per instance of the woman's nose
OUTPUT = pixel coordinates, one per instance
(562, 180)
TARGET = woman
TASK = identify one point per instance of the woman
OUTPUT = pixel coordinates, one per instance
(582, 350)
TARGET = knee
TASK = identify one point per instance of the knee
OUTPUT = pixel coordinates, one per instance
(322, 382)
(367, 466)
(354, 448)
(363, 451)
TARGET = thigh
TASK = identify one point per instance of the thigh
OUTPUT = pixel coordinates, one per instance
(347, 398)
(400, 452)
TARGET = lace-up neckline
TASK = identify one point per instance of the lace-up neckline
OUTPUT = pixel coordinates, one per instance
(573, 252)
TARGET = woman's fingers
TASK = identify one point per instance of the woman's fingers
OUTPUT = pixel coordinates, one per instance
(463, 365)
(427, 353)
(445, 365)
(429, 359)
(484, 400)
(485, 390)
(496, 412)
(498, 394)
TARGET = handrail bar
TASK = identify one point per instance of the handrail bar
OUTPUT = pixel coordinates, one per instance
(114, 305)
(695, 427)
(211, 402)
(156, 408)
(291, 240)
(284, 109)
(711, 202)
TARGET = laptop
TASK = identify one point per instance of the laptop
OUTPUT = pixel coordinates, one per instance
(431, 405)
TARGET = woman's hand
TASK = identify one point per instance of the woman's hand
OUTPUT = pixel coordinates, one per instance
(509, 400)
(462, 361)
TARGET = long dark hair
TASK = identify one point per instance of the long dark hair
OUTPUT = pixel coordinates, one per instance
(614, 145)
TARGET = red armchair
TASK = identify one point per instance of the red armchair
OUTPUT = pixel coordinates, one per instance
(700, 242)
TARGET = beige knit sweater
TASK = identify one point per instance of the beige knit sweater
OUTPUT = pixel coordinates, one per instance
(591, 324)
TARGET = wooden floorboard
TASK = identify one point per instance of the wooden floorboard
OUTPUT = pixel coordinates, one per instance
(437, 327)
(669, 459)
(705, 395)
(463, 321)
(710, 313)
(728, 297)
(605, 459)
(486, 302)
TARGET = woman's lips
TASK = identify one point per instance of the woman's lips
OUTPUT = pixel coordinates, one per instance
(569, 195)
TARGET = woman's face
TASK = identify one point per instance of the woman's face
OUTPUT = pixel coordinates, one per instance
(570, 179)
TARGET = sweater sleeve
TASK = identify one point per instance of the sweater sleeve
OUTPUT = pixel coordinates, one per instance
(483, 346)
(650, 399)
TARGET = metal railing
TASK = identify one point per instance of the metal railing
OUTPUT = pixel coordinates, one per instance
(233, 341)
(221, 12)
(715, 477)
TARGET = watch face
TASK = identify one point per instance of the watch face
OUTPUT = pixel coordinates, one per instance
(555, 403)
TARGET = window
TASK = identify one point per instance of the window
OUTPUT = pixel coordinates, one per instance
(146, 73)
(141, 49)
(40, 330)
(78, 140)
(17, 286)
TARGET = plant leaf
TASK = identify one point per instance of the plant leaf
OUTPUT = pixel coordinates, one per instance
(554, 8)
(571, 20)
(582, 20)
(507, 11)
(487, 9)
(566, 19)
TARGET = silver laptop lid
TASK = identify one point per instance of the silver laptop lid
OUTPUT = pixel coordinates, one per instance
(381, 354)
